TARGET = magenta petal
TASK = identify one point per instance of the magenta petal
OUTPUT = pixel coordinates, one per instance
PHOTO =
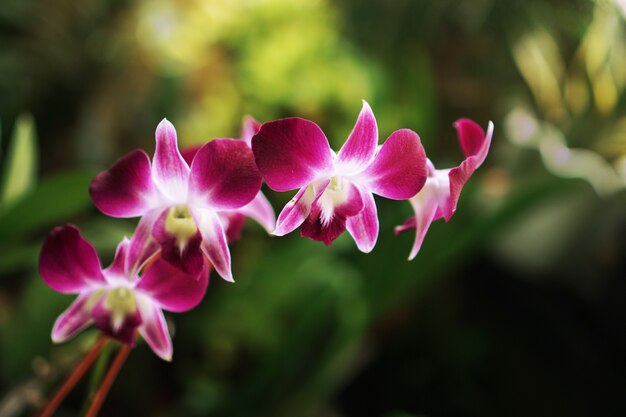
(294, 212)
(73, 320)
(291, 153)
(473, 140)
(190, 152)
(475, 146)
(358, 151)
(214, 243)
(154, 330)
(169, 170)
(363, 227)
(249, 128)
(399, 170)
(142, 245)
(118, 267)
(68, 263)
(409, 224)
(425, 206)
(126, 189)
(224, 175)
(261, 211)
(327, 221)
(233, 223)
(172, 288)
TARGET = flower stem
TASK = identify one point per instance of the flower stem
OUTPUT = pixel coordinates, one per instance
(108, 380)
(74, 377)
(99, 369)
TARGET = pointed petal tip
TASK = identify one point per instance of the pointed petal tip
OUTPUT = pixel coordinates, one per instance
(366, 249)
(490, 128)
(414, 251)
(164, 123)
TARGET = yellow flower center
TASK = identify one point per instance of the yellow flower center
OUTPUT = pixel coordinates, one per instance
(120, 302)
(180, 223)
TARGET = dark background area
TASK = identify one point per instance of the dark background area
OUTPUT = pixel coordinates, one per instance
(513, 308)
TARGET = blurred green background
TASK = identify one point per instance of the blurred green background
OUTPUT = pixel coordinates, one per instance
(514, 308)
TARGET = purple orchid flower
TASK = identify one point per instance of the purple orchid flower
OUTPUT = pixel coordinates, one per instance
(180, 201)
(259, 209)
(439, 197)
(336, 190)
(123, 299)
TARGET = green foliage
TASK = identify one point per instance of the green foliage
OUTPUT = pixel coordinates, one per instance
(19, 173)
(53, 201)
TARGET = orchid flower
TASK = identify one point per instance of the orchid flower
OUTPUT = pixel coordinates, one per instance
(336, 189)
(259, 209)
(181, 200)
(118, 300)
(439, 197)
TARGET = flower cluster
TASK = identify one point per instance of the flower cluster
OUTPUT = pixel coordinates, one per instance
(193, 204)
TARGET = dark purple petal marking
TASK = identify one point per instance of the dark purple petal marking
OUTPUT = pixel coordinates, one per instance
(327, 226)
(125, 330)
(179, 239)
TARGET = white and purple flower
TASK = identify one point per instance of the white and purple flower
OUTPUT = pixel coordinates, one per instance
(336, 189)
(123, 299)
(439, 197)
(180, 201)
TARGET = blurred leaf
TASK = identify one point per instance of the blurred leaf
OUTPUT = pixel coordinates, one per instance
(56, 199)
(450, 242)
(402, 414)
(17, 257)
(20, 168)
(26, 333)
